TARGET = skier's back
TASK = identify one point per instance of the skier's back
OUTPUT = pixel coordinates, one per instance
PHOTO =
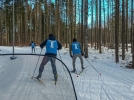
(32, 44)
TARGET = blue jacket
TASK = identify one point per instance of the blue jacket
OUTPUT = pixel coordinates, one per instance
(32, 44)
(75, 47)
(52, 45)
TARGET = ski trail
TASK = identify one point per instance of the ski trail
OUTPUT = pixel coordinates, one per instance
(124, 81)
(39, 90)
(57, 87)
(8, 77)
(87, 87)
(19, 89)
(112, 89)
(120, 79)
(87, 97)
(108, 94)
(39, 87)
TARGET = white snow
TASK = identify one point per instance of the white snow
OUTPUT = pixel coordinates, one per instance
(103, 79)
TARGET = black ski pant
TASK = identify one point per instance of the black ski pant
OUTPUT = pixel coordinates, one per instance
(45, 60)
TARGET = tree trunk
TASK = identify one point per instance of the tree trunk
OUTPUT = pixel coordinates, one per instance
(26, 24)
(132, 39)
(104, 24)
(116, 30)
(82, 45)
(133, 59)
(123, 30)
(86, 28)
(131, 35)
(97, 34)
(100, 41)
(126, 25)
(108, 31)
(91, 24)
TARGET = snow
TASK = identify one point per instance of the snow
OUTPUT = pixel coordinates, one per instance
(103, 79)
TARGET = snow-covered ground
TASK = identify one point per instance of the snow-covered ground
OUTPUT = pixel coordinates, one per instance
(103, 79)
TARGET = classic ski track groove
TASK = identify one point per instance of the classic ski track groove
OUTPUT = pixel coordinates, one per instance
(19, 85)
(58, 88)
(116, 77)
(36, 86)
(40, 91)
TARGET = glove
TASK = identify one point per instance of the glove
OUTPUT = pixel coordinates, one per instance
(82, 54)
(41, 47)
(71, 56)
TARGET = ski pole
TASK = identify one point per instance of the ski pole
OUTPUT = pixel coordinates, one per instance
(62, 64)
(94, 68)
(36, 64)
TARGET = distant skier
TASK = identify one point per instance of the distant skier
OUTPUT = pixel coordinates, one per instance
(32, 44)
(52, 45)
(75, 51)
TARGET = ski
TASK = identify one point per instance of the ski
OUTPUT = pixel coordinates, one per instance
(37, 79)
(55, 82)
(56, 78)
(80, 71)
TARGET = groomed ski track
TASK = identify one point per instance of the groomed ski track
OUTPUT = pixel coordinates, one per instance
(114, 83)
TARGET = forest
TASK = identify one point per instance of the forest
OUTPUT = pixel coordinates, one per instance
(95, 23)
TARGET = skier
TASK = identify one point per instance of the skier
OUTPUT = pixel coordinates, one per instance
(75, 51)
(52, 45)
(32, 44)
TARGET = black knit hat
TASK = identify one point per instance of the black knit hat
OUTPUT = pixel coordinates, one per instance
(74, 40)
(50, 35)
